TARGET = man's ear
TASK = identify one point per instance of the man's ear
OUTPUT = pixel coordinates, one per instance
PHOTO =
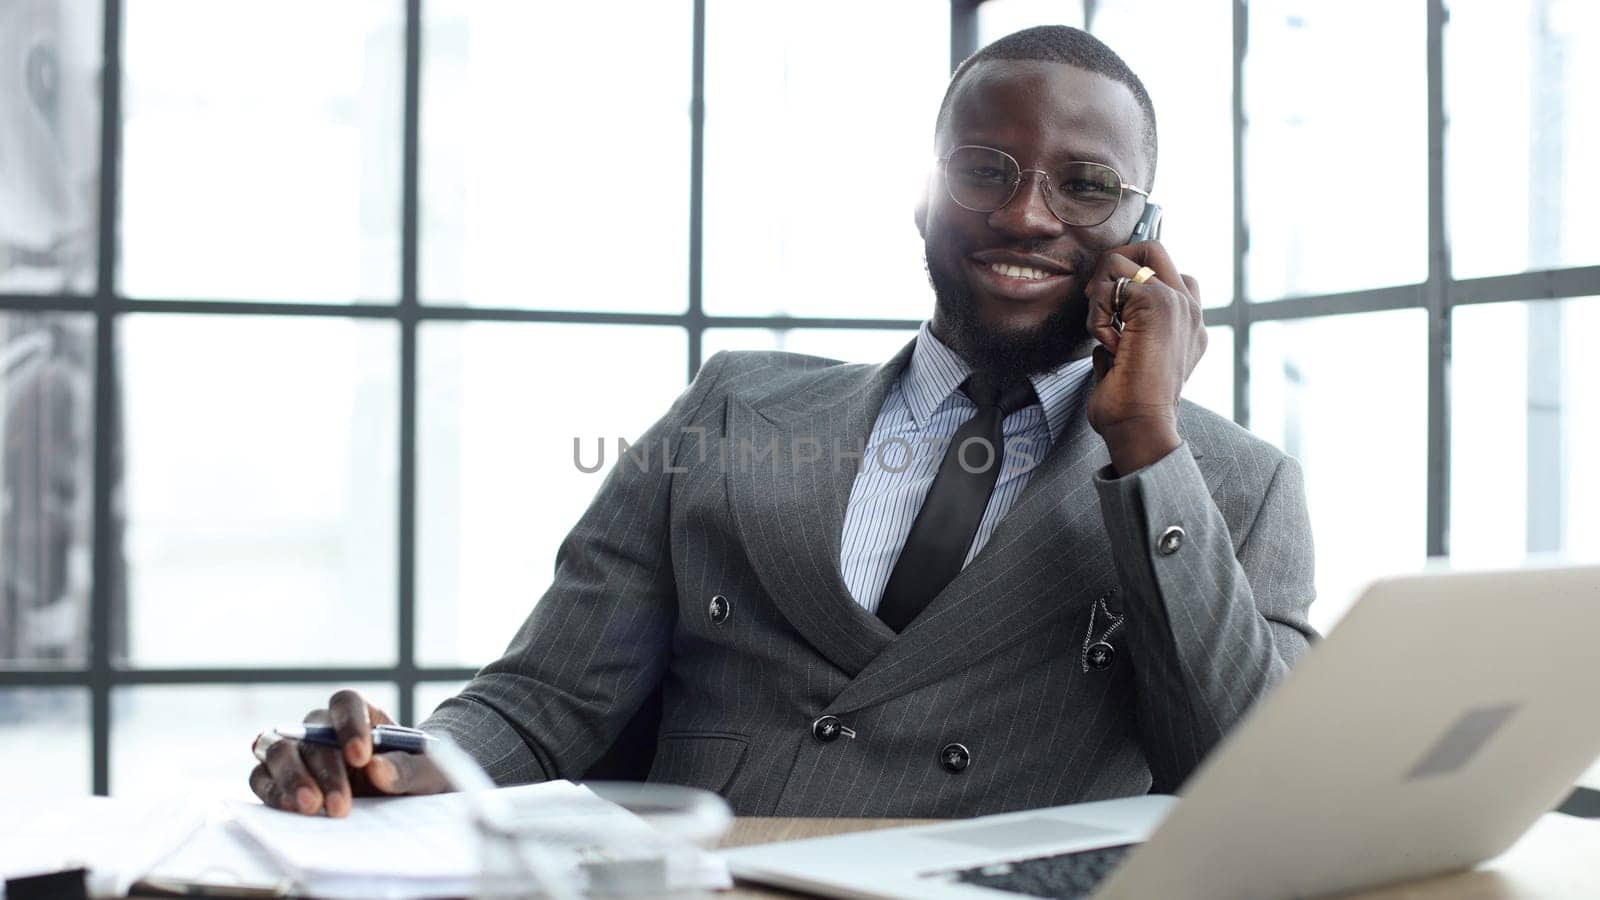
(920, 215)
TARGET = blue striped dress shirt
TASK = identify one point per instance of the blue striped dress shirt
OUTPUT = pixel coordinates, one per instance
(919, 417)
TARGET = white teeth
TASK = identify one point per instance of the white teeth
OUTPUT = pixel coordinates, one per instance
(1019, 271)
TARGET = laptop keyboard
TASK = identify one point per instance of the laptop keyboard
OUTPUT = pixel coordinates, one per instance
(1066, 877)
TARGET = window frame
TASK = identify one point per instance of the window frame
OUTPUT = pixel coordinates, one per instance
(1439, 294)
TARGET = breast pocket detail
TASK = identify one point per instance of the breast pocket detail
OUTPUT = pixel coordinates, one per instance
(702, 759)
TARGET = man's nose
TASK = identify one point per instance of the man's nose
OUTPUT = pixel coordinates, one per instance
(1027, 215)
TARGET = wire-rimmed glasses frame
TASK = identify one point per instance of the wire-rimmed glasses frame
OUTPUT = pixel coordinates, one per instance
(1094, 210)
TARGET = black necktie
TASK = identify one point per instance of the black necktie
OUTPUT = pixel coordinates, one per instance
(948, 520)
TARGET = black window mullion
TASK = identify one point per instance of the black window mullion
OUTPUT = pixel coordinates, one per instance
(405, 655)
(695, 319)
(1239, 309)
(107, 548)
(273, 675)
(963, 30)
(1438, 296)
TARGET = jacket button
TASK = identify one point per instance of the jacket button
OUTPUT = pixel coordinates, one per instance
(955, 758)
(829, 729)
(1170, 541)
(718, 609)
(1100, 655)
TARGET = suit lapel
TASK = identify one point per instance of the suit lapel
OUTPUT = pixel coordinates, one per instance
(997, 599)
(789, 488)
(1048, 558)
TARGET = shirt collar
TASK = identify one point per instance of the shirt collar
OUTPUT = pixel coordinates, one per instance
(936, 371)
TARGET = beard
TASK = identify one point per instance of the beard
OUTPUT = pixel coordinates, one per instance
(1009, 354)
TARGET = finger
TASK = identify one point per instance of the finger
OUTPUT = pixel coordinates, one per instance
(406, 773)
(1140, 301)
(1197, 313)
(1112, 266)
(352, 718)
(1123, 262)
(1197, 319)
(1100, 323)
(1192, 286)
(1103, 360)
(361, 781)
(1152, 254)
(326, 765)
(262, 785)
(1202, 341)
(1101, 291)
(298, 791)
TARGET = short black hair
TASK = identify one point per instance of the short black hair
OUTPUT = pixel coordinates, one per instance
(1073, 47)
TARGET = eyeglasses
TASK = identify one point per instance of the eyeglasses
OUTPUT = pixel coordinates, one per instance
(1081, 194)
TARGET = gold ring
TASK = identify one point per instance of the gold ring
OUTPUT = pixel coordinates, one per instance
(1143, 275)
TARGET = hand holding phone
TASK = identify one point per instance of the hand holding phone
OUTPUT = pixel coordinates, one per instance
(1141, 370)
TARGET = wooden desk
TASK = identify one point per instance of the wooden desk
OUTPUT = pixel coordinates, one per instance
(1559, 857)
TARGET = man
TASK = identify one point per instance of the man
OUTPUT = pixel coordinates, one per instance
(920, 633)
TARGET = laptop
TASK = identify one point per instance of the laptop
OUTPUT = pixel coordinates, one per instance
(1427, 732)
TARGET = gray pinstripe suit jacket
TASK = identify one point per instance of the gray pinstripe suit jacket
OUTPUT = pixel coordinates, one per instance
(995, 662)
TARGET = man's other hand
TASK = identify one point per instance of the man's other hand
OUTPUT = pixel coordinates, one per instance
(309, 778)
(1143, 367)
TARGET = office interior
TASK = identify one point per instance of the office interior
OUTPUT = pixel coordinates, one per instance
(316, 318)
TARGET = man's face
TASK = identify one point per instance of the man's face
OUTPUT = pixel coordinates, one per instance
(1043, 114)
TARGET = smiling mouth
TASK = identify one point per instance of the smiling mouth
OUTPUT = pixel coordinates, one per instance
(1025, 272)
(1015, 282)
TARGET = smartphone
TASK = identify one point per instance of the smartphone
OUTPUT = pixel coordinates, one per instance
(1149, 226)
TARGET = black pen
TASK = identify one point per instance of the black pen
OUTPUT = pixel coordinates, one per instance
(385, 738)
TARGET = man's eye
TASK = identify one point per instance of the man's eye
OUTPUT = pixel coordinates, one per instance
(986, 174)
(1084, 189)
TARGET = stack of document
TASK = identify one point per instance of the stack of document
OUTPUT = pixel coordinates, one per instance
(398, 848)
(116, 841)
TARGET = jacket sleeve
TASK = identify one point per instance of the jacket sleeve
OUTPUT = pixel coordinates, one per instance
(596, 644)
(1209, 630)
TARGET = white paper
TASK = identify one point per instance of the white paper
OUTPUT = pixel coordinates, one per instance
(407, 847)
(219, 855)
(117, 840)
